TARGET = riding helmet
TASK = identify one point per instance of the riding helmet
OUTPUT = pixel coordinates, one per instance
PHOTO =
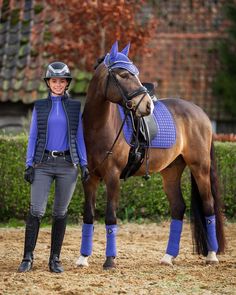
(58, 70)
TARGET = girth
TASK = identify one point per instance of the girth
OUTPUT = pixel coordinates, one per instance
(139, 148)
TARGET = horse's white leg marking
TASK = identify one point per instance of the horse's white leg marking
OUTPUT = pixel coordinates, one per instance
(82, 261)
(167, 259)
(211, 258)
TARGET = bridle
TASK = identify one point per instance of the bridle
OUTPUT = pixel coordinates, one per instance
(127, 101)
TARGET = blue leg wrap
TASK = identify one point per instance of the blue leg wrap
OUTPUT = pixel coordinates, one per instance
(87, 240)
(212, 243)
(174, 237)
(111, 231)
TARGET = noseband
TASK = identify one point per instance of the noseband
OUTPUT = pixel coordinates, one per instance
(126, 97)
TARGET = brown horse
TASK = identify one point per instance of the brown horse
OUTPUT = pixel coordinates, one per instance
(119, 84)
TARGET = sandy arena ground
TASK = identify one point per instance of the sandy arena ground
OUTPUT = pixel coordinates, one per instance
(140, 247)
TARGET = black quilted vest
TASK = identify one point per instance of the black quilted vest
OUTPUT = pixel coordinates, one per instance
(72, 110)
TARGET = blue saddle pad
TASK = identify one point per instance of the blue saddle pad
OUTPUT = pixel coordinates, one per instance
(166, 131)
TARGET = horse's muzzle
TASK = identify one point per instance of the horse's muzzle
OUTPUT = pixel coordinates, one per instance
(145, 110)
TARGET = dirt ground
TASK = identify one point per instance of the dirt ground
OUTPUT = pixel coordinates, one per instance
(140, 247)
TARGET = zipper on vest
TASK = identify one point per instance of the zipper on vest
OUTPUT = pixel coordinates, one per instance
(68, 132)
(46, 141)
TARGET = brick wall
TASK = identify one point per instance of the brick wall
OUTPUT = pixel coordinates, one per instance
(184, 59)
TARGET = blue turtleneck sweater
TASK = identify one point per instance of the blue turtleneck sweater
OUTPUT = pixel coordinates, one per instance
(57, 139)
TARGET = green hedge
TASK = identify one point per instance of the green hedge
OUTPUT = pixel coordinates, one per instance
(139, 198)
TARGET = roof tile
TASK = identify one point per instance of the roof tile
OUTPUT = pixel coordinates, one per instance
(16, 84)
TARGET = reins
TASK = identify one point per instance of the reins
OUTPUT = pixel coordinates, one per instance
(109, 152)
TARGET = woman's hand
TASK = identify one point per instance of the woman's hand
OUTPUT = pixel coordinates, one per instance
(29, 174)
(84, 173)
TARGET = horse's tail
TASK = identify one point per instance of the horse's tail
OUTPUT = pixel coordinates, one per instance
(197, 216)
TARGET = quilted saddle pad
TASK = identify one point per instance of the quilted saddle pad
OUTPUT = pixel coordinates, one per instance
(166, 130)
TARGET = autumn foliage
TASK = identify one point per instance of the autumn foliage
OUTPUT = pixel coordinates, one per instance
(81, 31)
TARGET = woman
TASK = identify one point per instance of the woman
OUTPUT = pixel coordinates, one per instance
(55, 148)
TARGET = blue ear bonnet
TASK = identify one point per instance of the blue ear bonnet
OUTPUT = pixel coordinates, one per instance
(116, 59)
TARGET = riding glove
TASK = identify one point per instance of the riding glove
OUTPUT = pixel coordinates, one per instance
(29, 174)
(84, 173)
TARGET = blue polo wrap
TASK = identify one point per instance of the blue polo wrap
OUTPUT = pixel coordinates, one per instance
(174, 237)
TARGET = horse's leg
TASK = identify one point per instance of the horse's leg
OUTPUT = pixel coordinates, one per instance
(90, 188)
(206, 207)
(172, 186)
(204, 225)
(113, 191)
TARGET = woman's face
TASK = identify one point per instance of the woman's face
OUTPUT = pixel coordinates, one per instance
(57, 86)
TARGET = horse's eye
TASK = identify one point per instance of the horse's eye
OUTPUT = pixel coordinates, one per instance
(124, 75)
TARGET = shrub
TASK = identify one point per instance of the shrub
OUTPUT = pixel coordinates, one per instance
(226, 163)
(139, 198)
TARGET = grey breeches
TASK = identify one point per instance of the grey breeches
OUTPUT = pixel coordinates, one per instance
(65, 175)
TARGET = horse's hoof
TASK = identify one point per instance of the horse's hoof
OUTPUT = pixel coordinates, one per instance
(211, 258)
(109, 263)
(82, 261)
(209, 262)
(167, 260)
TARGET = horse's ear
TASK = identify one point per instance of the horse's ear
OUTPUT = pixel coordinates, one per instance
(125, 51)
(114, 50)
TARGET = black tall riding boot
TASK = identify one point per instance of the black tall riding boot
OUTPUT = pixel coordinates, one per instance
(58, 232)
(31, 235)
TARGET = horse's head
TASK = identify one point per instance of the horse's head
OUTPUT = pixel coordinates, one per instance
(123, 85)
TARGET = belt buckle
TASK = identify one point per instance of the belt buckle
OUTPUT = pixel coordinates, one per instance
(52, 153)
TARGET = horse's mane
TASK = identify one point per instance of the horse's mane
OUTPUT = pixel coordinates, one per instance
(99, 61)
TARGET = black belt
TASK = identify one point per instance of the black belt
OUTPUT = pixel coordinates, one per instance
(55, 154)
